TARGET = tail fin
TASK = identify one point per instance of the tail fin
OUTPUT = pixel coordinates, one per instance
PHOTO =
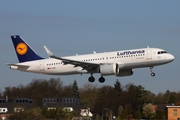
(23, 50)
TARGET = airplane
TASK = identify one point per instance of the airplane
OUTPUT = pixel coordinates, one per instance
(119, 63)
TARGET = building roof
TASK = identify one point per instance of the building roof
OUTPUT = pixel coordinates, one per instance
(173, 106)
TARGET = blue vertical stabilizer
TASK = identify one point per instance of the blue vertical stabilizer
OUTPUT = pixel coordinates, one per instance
(23, 50)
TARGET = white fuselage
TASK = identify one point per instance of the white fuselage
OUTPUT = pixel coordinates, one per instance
(135, 58)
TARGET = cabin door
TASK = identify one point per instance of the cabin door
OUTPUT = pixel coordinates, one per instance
(148, 54)
(41, 66)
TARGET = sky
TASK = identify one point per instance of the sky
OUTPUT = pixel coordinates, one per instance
(68, 27)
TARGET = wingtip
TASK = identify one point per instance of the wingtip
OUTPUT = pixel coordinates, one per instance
(48, 51)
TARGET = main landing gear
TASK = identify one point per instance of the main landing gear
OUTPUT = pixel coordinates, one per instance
(152, 73)
(92, 79)
(101, 79)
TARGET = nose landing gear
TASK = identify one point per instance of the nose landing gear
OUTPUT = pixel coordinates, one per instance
(152, 73)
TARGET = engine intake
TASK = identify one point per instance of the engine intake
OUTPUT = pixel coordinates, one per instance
(109, 69)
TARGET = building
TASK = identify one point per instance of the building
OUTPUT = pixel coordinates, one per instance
(86, 113)
(173, 112)
(10, 105)
(61, 102)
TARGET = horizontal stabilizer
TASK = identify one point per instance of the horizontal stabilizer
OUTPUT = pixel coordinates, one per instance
(18, 65)
(21, 67)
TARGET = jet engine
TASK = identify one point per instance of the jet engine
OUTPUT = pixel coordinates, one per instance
(115, 69)
(125, 72)
(109, 69)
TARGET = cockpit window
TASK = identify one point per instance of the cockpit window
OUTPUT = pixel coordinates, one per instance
(162, 52)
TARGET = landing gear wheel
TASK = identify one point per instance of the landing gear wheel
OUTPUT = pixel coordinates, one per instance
(152, 74)
(91, 79)
(101, 79)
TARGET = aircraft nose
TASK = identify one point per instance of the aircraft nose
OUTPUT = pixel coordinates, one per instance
(171, 57)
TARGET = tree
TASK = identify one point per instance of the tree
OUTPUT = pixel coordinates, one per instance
(171, 99)
(0, 93)
(50, 113)
(160, 114)
(36, 90)
(33, 114)
(107, 98)
(117, 87)
(149, 110)
(88, 95)
(75, 89)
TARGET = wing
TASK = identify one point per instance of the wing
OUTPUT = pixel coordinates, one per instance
(85, 65)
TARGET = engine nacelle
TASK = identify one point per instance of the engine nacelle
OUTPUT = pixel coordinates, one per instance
(109, 69)
(126, 72)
